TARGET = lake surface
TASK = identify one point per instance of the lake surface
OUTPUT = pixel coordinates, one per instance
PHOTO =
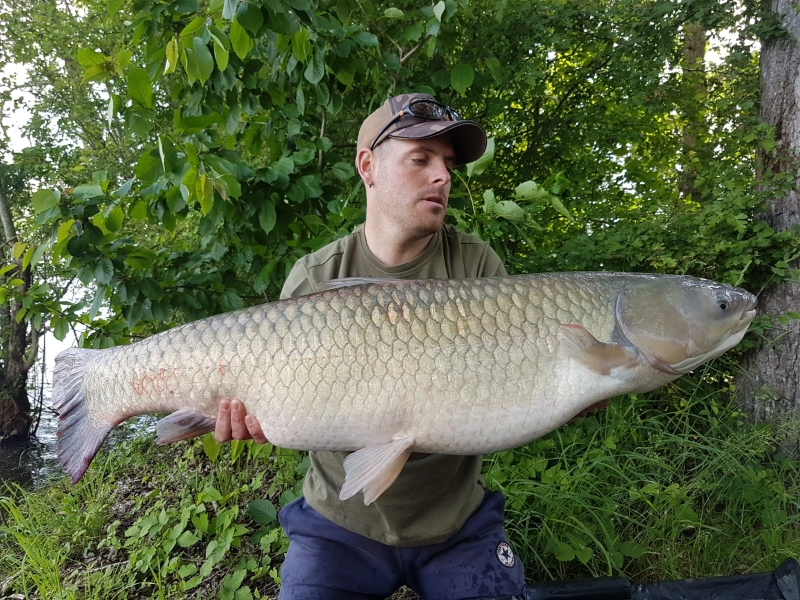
(33, 463)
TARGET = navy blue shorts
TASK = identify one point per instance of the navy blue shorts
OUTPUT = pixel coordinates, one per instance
(328, 562)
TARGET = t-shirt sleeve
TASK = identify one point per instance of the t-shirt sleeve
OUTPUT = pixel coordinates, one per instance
(298, 283)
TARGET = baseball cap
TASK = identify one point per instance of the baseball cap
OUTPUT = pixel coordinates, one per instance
(468, 137)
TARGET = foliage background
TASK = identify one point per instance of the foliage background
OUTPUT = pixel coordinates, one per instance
(201, 148)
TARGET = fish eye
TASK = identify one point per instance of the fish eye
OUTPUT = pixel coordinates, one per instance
(722, 304)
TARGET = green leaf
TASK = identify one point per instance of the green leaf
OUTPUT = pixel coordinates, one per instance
(99, 297)
(233, 581)
(393, 13)
(240, 40)
(219, 36)
(346, 77)
(583, 554)
(461, 77)
(87, 191)
(211, 447)
(140, 88)
(221, 55)
(250, 17)
(38, 253)
(530, 190)
(187, 570)
(631, 549)
(301, 99)
(237, 448)
(193, 27)
(114, 218)
(508, 209)
(104, 271)
(172, 55)
(43, 200)
(141, 258)
(301, 45)
(564, 552)
(365, 38)
(187, 539)
(262, 511)
(190, 65)
(149, 168)
(489, 202)
(438, 10)
(114, 6)
(229, 9)
(123, 190)
(243, 593)
(479, 166)
(228, 186)
(60, 327)
(90, 58)
(343, 171)
(267, 217)
(205, 62)
(230, 300)
(204, 190)
(559, 206)
(315, 70)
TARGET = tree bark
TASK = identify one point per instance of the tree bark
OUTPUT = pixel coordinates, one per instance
(15, 407)
(769, 388)
(695, 129)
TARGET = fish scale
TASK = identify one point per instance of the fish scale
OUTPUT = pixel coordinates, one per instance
(383, 368)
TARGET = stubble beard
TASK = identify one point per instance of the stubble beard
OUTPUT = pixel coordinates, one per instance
(415, 220)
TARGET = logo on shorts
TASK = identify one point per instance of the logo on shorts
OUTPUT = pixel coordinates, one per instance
(505, 555)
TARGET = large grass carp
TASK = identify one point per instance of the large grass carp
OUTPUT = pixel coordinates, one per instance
(385, 368)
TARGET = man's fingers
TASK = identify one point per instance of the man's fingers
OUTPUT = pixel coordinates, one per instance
(222, 430)
(254, 427)
(238, 426)
(233, 423)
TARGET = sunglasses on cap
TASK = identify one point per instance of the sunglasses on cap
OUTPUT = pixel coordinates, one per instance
(421, 109)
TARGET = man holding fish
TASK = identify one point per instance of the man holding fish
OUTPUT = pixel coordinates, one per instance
(400, 355)
(436, 528)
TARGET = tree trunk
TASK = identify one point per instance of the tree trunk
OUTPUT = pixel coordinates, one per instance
(769, 389)
(15, 407)
(695, 129)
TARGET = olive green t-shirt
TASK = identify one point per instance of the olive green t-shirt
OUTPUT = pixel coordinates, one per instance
(434, 493)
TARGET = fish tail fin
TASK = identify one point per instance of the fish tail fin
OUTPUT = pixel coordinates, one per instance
(78, 438)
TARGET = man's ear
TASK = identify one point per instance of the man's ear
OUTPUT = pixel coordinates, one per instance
(366, 163)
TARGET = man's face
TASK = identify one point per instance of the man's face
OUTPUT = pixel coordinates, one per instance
(412, 184)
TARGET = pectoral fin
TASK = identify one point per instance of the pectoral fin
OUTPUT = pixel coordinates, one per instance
(374, 468)
(604, 359)
(183, 424)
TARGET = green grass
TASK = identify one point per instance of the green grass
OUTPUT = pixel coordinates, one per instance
(677, 488)
(653, 488)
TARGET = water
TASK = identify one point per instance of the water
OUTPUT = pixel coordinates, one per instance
(33, 463)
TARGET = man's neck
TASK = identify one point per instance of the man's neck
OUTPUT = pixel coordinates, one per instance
(392, 248)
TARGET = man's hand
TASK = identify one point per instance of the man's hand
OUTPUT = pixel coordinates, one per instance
(233, 423)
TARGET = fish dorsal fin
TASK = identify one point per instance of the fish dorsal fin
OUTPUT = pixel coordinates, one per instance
(336, 284)
(603, 359)
(374, 468)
